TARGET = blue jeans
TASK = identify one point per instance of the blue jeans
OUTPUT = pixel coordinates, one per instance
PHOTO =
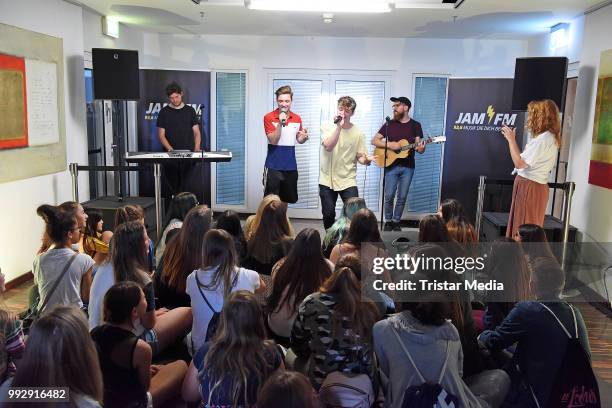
(398, 180)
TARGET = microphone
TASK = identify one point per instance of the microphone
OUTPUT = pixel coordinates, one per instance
(387, 119)
(337, 120)
(283, 121)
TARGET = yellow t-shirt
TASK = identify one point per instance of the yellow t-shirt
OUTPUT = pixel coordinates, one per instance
(338, 168)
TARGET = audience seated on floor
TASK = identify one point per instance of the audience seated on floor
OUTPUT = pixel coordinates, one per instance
(179, 207)
(325, 313)
(130, 380)
(130, 247)
(182, 256)
(299, 274)
(270, 236)
(333, 329)
(229, 220)
(60, 353)
(231, 369)
(212, 283)
(541, 328)
(60, 263)
(336, 233)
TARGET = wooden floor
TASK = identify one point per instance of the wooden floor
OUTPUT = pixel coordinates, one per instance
(598, 325)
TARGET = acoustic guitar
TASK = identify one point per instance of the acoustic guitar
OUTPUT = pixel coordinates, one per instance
(404, 151)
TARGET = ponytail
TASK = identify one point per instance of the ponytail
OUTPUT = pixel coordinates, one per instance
(58, 223)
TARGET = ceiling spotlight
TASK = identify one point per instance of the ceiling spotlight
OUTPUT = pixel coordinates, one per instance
(336, 6)
(328, 18)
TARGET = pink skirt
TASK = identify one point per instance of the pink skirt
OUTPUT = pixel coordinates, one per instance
(529, 200)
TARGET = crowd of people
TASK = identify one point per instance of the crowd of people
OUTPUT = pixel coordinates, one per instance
(271, 318)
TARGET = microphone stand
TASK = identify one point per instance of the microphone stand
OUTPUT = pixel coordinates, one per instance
(382, 200)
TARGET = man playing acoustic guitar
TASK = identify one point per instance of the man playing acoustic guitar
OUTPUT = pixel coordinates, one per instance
(398, 175)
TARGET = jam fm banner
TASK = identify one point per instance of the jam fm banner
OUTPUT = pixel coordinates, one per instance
(196, 93)
(477, 109)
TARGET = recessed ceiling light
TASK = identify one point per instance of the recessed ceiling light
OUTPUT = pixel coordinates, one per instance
(335, 6)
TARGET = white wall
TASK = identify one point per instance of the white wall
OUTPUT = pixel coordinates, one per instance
(400, 57)
(20, 227)
(129, 37)
(591, 206)
(539, 46)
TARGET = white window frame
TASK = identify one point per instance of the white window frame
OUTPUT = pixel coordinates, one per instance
(213, 140)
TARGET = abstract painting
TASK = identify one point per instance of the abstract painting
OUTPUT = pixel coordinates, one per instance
(600, 168)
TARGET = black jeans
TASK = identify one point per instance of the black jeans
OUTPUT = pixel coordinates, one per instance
(328, 202)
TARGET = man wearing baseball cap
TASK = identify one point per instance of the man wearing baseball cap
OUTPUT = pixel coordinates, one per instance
(398, 175)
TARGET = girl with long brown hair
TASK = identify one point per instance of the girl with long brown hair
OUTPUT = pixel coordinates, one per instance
(363, 228)
(211, 284)
(458, 226)
(60, 353)
(129, 254)
(231, 369)
(182, 256)
(533, 165)
(294, 277)
(337, 312)
(270, 238)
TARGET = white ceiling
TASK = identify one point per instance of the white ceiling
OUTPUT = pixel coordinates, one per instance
(498, 19)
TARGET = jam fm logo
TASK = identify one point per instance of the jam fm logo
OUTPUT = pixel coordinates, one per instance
(153, 109)
(484, 121)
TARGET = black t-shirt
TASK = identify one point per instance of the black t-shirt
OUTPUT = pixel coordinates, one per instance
(403, 131)
(115, 348)
(178, 124)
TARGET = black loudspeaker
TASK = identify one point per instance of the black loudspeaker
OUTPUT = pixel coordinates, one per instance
(115, 74)
(537, 79)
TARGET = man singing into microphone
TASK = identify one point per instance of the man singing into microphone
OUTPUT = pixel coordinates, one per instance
(342, 146)
(398, 175)
(283, 128)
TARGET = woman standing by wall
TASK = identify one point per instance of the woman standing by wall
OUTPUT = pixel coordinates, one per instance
(533, 165)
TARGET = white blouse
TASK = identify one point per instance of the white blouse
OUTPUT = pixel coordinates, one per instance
(540, 154)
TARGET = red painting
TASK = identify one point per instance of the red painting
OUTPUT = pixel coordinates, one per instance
(13, 102)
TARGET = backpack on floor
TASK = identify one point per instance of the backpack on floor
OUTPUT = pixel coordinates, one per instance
(575, 384)
(214, 320)
(427, 395)
(342, 391)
